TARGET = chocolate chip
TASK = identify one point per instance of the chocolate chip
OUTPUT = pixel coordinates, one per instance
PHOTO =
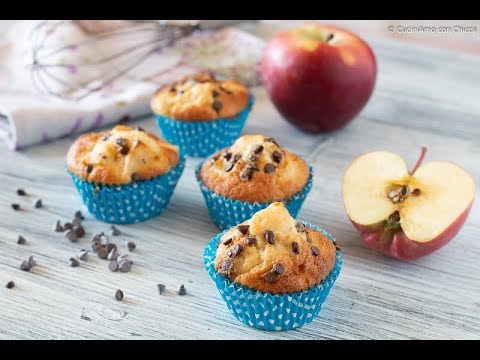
(308, 239)
(21, 192)
(272, 140)
(135, 177)
(227, 265)
(10, 285)
(227, 241)
(277, 156)
(89, 169)
(111, 246)
(38, 204)
(315, 251)
(251, 167)
(236, 157)
(258, 149)
(231, 254)
(131, 246)
(160, 288)
(253, 158)
(217, 106)
(76, 221)
(24, 266)
(125, 265)
(139, 128)
(269, 168)
(102, 253)
(227, 155)
(73, 262)
(229, 166)
(246, 175)
(78, 215)
(278, 269)
(119, 295)
(215, 93)
(16, 207)
(112, 255)
(238, 249)
(182, 290)
(79, 230)
(104, 240)
(338, 248)
(173, 89)
(82, 255)
(269, 236)
(71, 235)
(114, 231)
(123, 258)
(68, 226)
(214, 159)
(58, 227)
(243, 229)
(271, 277)
(106, 137)
(295, 248)
(250, 240)
(300, 227)
(31, 262)
(96, 246)
(113, 266)
(21, 240)
(123, 147)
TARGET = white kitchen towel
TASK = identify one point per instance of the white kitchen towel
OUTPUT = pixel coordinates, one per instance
(30, 116)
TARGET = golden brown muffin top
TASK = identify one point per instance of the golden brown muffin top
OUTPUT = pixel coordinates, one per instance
(120, 156)
(255, 169)
(273, 253)
(200, 98)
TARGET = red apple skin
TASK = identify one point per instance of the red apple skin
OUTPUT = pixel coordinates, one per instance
(396, 244)
(319, 91)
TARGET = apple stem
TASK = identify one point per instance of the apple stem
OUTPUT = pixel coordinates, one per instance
(329, 37)
(420, 160)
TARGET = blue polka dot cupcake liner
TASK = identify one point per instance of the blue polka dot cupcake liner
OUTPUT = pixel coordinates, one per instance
(134, 202)
(202, 138)
(267, 311)
(226, 213)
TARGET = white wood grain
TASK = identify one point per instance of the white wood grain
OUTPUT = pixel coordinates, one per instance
(423, 97)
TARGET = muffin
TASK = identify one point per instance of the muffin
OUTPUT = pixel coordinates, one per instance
(248, 176)
(124, 175)
(201, 114)
(274, 272)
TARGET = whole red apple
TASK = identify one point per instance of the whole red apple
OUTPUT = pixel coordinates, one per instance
(318, 77)
(405, 214)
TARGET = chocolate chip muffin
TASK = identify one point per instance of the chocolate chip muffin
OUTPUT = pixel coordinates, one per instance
(200, 98)
(273, 253)
(255, 169)
(120, 156)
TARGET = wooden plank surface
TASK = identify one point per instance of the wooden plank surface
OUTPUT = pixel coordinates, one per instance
(422, 97)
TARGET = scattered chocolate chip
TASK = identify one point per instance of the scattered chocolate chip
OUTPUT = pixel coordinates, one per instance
(227, 241)
(229, 166)
(68, 226)
(338, 248)
(227, 265)
(243, 229)
(123, 147)
(31, 262)
(106, 137)
(315, 251)
(131, 246)
(10, 285)
(119, 295)
(295, 248)
(246, 175)
(258, 149)
(215, 93)
(214, 159)
(111, 246)
(113, 265)
(227, 155)
(238, 249)
(16, 207)
(21, 192)
(139, 128)
(217, 106)
(160, 288)
(79, 230)
(277, 156)
(253, 158)
(269, 236)
(73, 262)
(71, 235)
(416, 192)
(269, 168)
(231, 254)
(271, 277)
(78, 215)
(123, 258)
(38, 204)
(125, 265)
(21, 240)
(308, 239)
(58, 227)
(102, 253)
(272, 140)
(114, 231)
(250, 240)
(236, 157)
(104, 240)
(300, 227)
(181, 290)
(24, 266)
(278, 269)
(96, 246)
(112, 255)
(89, 169)
(135, 177)
(82, 255)
(76, 221)
(173, 89)
(251, 167)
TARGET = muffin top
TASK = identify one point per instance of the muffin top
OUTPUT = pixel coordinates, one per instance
(273, 253)
(200, 98)
(255, 169)
(120, 156)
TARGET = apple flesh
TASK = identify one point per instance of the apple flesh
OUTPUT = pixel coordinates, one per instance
(318, 77)
(405, 214)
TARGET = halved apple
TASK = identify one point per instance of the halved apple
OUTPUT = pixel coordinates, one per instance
(405, 214)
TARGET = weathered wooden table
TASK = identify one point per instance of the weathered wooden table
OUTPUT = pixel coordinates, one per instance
(422, 97)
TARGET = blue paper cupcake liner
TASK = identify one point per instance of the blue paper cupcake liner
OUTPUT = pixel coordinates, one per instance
(135, 202)
(202, 138)
(268, 311)
(226, 212)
